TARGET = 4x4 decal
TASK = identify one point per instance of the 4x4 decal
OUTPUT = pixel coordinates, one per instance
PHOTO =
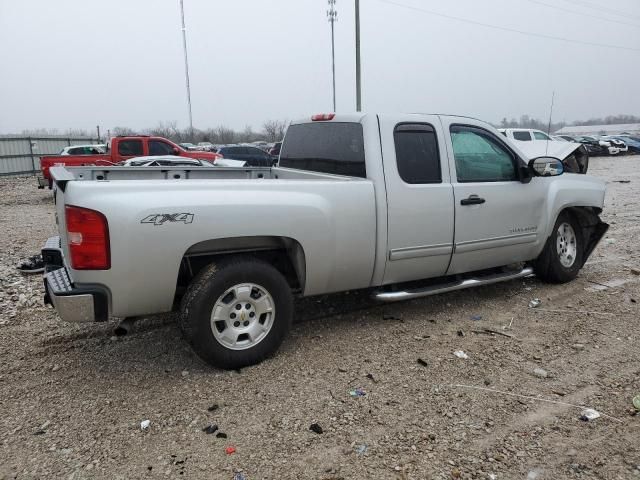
(162, 218)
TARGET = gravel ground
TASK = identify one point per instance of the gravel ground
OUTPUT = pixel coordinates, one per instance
(72, 396)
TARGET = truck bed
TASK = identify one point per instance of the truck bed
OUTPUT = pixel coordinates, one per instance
(100, 173)
(227, 208)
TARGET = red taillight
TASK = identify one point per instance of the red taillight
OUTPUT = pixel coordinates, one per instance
(88, 237)
(322, 117)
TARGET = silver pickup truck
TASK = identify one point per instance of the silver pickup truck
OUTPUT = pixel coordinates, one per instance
(403, 205)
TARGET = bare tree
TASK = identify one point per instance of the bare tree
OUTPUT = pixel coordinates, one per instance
(224, 135)
(168, 130)
(122, 131)
(274, 130)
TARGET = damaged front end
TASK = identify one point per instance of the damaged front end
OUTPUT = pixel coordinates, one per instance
(592, 228)
(574, 156)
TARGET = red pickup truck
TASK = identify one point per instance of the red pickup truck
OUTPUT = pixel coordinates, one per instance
(120, 149)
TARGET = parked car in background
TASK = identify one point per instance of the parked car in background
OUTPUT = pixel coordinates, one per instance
(595, 146)
(558, 138)
(275, 150)
(615, 142)
(206, 146)
(96, 149)
(524, 134)
(568, 138)
(120, 149)
(189, 146)
(254, 156)
(633, 143)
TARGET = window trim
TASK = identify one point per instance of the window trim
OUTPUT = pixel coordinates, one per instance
(515, 158)
(431, 128)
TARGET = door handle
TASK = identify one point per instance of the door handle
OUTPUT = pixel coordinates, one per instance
(472, 200)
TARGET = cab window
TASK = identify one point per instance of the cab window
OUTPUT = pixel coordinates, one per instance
(130, 148)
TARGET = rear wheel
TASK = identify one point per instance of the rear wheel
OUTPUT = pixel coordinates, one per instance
(236, 312)
(561, 259)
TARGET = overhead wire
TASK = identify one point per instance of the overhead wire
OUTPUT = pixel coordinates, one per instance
(508, 29)
(602, 8)
(575, 12)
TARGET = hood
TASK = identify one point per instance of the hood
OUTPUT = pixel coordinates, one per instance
(543, 148)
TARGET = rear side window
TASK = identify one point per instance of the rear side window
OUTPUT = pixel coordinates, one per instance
(130, 148)
(326, 147)
(417, 153)
(525, 136)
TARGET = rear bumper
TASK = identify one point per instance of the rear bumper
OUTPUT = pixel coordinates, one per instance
(73, 304)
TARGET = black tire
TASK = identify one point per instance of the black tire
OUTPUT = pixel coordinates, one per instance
(548, 265)
(207, 288)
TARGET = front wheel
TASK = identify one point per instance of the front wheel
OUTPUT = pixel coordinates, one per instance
(236, 312)
(562, 257)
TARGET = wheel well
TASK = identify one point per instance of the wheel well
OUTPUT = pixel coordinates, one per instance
(284, 253)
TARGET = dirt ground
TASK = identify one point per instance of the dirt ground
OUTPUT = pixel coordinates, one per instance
(72, 396)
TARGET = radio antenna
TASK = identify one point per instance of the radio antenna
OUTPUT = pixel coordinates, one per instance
(553, 95)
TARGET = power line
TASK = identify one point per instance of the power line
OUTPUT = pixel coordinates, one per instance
(507, 29)
(601, 8)
(575, 12)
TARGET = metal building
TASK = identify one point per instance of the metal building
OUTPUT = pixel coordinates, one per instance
(20, 154)
(615, 129)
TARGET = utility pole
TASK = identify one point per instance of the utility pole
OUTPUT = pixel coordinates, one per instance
(358, 77)
(332, 14)
(186, 69)
(98, 129)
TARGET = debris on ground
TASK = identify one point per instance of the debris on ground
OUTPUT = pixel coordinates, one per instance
(357, 392)
(460, 333)
(634, 271)
(316, 428)
(221, 435)
(535, 303)
(213, 407)
(209, 429)
(422, 362)
(636, 402)
(372, 378)
(239, 476)
(144, 425)
(390, 317)
(589, 414)
(540, 372)
(230, 450)
(493, 331)
(476, 318)
(361, 449)
(460, 354)
(534, 474)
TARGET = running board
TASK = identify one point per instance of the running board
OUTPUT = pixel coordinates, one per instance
(452, 286)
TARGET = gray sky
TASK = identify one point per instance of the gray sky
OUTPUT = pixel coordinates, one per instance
(78, 63)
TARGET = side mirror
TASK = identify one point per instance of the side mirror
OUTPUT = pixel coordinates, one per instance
(546, 167)
(176, 151)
